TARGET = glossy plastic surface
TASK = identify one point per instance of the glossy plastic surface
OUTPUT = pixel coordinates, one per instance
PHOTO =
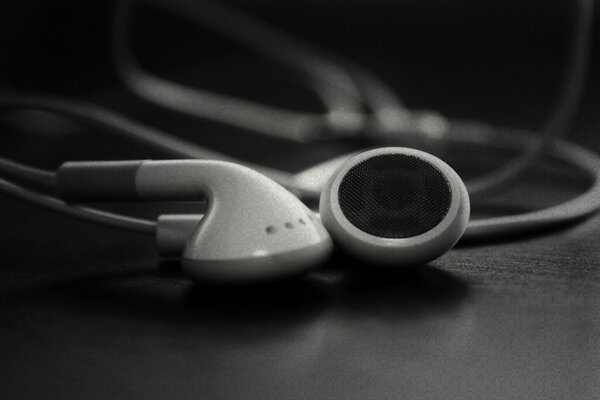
(254, 229)
(418, 249)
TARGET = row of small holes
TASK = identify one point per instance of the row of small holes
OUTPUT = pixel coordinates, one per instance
(272, 229)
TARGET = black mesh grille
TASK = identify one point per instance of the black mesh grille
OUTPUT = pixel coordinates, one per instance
(394, 196)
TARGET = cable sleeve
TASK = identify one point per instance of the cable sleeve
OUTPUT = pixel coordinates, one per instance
(97, 180)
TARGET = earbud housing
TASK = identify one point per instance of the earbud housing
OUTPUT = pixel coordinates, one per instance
(253, 229)
(395, 206)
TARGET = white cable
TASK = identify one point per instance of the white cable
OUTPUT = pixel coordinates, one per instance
(89, 214)
(27, 173)
(390, 118)
(129, 129)
(436, 126)
(329, 81)
(579, 207)
(567, 103)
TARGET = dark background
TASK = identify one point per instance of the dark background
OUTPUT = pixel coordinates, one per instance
(90, 312)
(496, 61)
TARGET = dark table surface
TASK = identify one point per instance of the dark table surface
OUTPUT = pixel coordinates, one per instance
(88, 312)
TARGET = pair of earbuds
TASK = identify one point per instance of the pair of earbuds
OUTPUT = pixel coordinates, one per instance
(391, 206)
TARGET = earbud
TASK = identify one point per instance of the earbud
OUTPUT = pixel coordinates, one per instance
(395, 206)
(253, 229)
(392, 206)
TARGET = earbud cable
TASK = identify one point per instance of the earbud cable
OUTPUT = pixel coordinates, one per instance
(581, 206)
(27, 173)
(567, 103)
(391, 116)
(89, 214)
(330, 82)
(117, 125)
(561, 116)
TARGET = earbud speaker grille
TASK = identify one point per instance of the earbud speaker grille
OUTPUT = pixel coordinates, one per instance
(394, 196)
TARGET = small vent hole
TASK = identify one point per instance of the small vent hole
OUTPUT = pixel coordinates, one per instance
(301, 221)
(270, 229)
(288, 225)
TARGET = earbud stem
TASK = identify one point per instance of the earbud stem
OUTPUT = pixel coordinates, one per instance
(98, 180)
(173, 231)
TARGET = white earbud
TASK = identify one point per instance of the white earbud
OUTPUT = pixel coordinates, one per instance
(391, 206)
(395, 206)
(253, 229)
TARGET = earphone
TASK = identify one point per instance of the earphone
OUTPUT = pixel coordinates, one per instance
(395, 206)
(172, 232)
(255, 230)
(352, 216)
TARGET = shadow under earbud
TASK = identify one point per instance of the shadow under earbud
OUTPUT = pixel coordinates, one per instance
(407, 292)
(165, 299)
(277, 301)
